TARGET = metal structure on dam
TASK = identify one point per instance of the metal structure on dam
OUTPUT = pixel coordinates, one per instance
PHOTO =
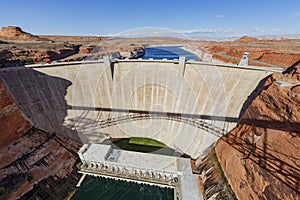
(187, 105)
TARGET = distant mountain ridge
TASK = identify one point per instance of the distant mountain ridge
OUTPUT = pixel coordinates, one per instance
(13, 33)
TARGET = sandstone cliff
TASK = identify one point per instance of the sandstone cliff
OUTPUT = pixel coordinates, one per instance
(21, 48)
(21, 54)
(260, 157)
(31, 158)
(247, 39)
(12, 122)
(13, 33)
(262, 52)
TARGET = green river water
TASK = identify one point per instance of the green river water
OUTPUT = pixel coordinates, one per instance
(98, 188)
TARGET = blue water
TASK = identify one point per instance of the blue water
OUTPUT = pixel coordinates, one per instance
(168, 52)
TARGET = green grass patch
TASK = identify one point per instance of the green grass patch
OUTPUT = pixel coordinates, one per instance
(131, 145)
(146, 142)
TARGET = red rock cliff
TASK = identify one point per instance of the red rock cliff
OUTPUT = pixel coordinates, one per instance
(11, 33)
(30, 157)
(261, 156)
(12, 122)
(262, 52)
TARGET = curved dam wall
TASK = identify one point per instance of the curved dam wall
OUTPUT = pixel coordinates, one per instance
(185, 105)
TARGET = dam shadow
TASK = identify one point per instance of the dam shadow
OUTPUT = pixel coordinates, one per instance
(41, 98)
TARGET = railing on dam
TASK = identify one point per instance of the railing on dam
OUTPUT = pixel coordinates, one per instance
(150, 60)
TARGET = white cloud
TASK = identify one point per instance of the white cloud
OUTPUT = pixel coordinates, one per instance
(220, 16)
(297, 14)
(265, 30)
(187, 34)
(198, 33)
(258, 30)
(208, 31)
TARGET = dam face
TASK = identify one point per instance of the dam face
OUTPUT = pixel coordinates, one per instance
(186, 105)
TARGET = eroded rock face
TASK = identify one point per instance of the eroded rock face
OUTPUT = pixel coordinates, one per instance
(247, 39)
(29, 156)
(262, 52)
(21, 54)
(16, 33)
(260, 157)
(12, 31)
(12, 122)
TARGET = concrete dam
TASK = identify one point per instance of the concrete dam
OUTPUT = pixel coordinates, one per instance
(186, 105)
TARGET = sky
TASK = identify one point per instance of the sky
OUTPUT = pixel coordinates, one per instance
(194, 18)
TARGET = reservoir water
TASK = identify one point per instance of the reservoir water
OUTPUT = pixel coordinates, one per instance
(168, 52)
(94, 188)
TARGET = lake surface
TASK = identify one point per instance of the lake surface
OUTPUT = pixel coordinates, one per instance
(94, 188)
(168, 52)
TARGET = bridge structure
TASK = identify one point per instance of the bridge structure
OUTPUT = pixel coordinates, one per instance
(200, 121)
(187, 105)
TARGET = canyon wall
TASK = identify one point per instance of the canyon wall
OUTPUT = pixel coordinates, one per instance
(260, 157)
(262, 52)
(31, 157)
(21, 54)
